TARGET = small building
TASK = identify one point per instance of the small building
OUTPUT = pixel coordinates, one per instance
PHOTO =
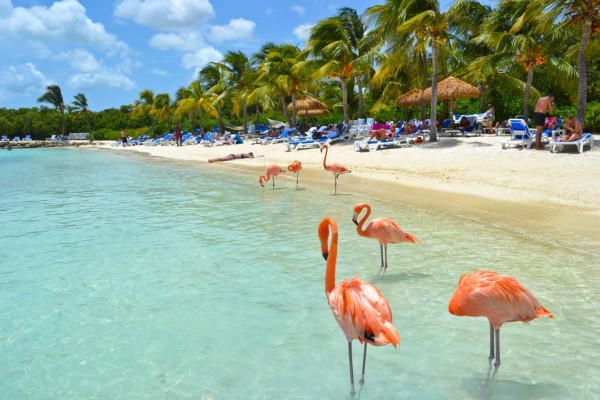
(78, 135)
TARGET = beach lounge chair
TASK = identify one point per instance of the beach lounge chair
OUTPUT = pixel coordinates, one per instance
(208, 139)
(27, 138)
(307, 144)
(281, 138)
(17, 139)
(4, 138)
(521, 135)
(586, 139)
(396, 141)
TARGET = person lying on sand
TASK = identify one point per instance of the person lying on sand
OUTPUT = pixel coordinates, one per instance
(232, 157)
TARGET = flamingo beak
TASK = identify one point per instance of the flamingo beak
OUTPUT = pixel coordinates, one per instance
(354, 219)
(325, 255)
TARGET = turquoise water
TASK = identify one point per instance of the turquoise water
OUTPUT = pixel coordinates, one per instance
(125, 277)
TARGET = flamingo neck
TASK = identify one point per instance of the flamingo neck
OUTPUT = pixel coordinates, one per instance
(359, 227)
(325, 158)
(331, 262)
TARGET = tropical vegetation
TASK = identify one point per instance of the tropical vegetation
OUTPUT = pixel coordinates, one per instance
(514, 52)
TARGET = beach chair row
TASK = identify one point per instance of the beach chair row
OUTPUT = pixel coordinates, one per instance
(27, 138)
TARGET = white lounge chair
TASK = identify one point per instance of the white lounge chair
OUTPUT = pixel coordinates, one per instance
(521, 135)
(586, 139)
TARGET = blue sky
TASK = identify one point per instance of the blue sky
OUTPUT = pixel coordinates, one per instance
(112, 50)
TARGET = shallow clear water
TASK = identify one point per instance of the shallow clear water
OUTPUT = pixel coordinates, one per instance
(135, 278)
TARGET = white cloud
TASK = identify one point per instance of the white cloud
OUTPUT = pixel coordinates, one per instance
(89, 71)
(200, 58)
(159, 72)
(187, 41)
(165, 14)
(237, 29)
(300, 10)
(303, 31)
(22, 81)
(64, 22)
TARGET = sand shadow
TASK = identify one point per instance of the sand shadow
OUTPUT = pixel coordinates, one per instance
(490, 386)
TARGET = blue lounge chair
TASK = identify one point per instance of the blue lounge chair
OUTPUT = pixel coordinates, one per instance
(586, 139)
(281, 138)
(520, 133)
(5, 138)
(17, 139)
(27, 138)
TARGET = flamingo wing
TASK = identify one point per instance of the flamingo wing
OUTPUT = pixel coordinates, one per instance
(363, 313)
(500, 298)
(385, 231)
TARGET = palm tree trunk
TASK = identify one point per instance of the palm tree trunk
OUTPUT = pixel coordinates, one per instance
(434, 83)
(482, 95)
(201, 116)
(528, 91)
(245, 117)
(285, 111)
(220, 120)
(425, 83)
(361, 97)
(345, 100)
(582, 88)
(62, 121)
(293, 108)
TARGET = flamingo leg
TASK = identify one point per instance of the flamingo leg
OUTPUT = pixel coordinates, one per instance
(497, 363)
(362, 378)
(491, 343)
(352, 392)
(297, 176)
(382, 263)
(335, 187)
(385, 265)
(273, 183)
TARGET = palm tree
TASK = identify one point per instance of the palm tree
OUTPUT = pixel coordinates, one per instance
(162, 108)
(213, 79)
(80, 105)
(576, 12)
(241, 77)
(143, 106)
(334, 47)
(194, 98)
(53, 95)
(277, 77)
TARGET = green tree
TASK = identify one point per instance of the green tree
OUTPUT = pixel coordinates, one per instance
(143, 107)
(53, 96)
(194, 98)
(585, 13)
(80, 105)
(163, 109)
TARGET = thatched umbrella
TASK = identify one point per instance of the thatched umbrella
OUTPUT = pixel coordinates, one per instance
(307, 103)
(451, 89)
(410, 98)
(312, 113)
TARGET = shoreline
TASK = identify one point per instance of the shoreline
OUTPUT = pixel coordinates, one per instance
(526, 191)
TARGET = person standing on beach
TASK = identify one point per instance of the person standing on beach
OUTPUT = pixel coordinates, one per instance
(123, 137)
(543, 105)
(178, 134)
(489, 114)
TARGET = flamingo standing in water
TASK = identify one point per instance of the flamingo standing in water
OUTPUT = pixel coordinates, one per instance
(383, 229)
(272, 171)
(359, 308)
(295, 167)
(499, 298)
(336, 168)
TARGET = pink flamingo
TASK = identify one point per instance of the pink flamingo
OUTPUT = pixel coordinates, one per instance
(499, 298)
(272, 171)
(335, 168)
(295, 167)
(383, 229)
(359, 308)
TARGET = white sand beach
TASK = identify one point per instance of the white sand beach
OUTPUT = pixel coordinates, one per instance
(523, 187)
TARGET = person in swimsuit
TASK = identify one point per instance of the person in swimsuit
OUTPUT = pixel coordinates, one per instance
(232, 157)
(573, 130)
(383, 134)
(543, 105)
